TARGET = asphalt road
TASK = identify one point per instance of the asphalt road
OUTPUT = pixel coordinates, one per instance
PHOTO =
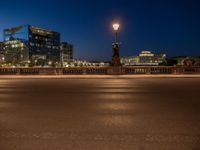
(100, 114)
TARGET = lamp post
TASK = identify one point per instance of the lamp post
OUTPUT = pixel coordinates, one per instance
(116, 29)
(115, 47)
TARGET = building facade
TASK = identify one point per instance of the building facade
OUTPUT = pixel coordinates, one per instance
(16, 52)
(34, 45)
(1, 46)
(130, 60)
(2, 58)
(145, 58)
(85, 63)
(66, 53)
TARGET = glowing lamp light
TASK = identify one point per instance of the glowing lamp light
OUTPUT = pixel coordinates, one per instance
(116, 26)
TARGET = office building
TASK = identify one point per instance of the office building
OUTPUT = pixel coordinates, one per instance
(1, 46)
(33, 45)
(16, 52)
(66, 53)
(2, 58)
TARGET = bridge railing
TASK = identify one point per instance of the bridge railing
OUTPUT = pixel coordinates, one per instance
(162, 70)
(149, 70)
(101, 70)
(8, 71)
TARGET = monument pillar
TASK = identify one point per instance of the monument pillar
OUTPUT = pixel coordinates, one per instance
(116, 64)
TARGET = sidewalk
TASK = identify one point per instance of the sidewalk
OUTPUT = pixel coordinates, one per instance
(93, 76)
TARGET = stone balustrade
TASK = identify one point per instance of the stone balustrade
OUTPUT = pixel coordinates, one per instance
(101, 70)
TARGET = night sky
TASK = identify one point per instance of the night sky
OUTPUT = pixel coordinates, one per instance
(169, 26)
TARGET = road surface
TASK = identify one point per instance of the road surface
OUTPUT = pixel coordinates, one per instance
(100, 113)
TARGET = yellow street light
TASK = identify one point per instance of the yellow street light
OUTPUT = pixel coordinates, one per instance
(116, 26)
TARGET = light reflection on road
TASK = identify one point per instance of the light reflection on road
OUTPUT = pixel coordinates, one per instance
(115, 83)
(114, 121)
(113, 96)
(113, 105)
(115, 114)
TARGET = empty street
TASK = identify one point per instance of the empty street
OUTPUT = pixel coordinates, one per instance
(103, 113)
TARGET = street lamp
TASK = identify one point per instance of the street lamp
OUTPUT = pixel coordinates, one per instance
(115, 47)
(116, 29)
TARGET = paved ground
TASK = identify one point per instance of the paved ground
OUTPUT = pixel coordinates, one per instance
(100, 114)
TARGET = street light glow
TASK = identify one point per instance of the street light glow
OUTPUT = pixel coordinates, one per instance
(116, 26)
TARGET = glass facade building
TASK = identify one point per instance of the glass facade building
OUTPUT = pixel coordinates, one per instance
(1, 46)
(43, 46)
(16, 52)
(66, 53)
(2, 58)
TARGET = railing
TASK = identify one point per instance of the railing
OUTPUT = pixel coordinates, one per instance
(101, 70)
(149, 70)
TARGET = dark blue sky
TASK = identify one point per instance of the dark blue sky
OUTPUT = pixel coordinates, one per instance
(170, 26)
